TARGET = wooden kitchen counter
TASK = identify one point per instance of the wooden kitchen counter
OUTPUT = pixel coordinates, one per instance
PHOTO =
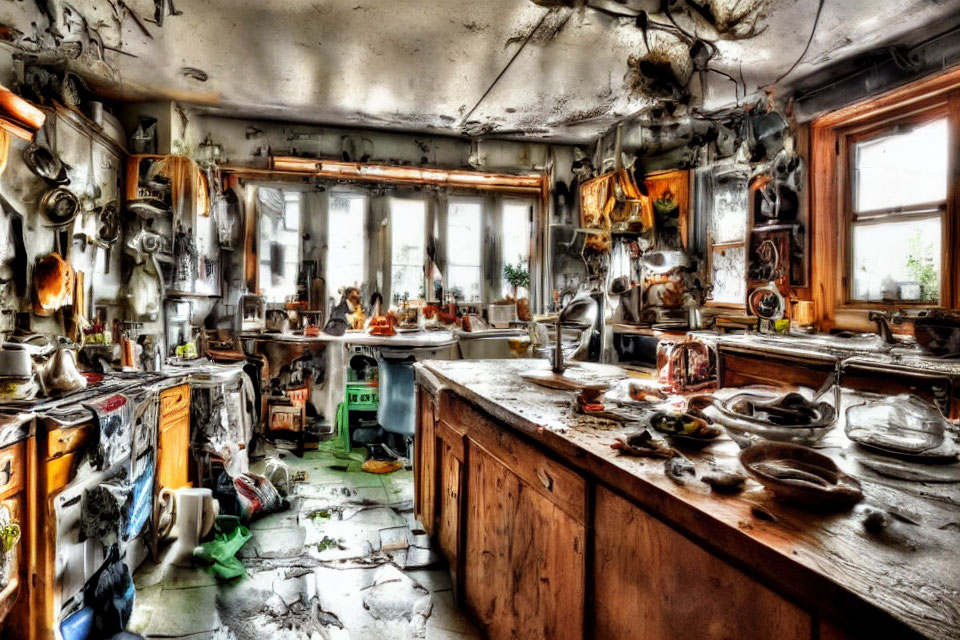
(552, 534)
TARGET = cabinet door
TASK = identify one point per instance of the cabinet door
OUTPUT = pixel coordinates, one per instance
(425, 461)
(173, 442)
(450, 489)
(524, 570)
(651, 582)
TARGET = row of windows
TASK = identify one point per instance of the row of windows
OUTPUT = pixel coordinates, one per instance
(347, 246)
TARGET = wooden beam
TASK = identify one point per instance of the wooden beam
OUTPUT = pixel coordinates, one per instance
(286, 167)
(909, 94)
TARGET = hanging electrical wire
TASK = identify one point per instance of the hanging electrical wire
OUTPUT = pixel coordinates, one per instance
(813, 31)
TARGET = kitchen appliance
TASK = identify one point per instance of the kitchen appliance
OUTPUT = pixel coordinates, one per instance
(686, 366)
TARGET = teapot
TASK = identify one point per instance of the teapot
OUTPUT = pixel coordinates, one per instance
(60, 374)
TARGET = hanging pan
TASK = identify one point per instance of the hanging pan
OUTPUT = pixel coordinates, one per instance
(60, 206)
(46, 164)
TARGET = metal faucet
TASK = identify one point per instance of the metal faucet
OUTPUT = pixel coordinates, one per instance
(883, 320)
(558, 366)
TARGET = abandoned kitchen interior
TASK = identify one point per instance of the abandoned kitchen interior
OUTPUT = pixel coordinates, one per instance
(514, 319)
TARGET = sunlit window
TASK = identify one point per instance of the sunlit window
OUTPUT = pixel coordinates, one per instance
(279, 243)
(464, 250)
(515, 242)
(898, 196)
(346, 242)
(408, 251)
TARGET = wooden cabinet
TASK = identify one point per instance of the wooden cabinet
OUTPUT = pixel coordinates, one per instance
(425, 461)
(539, 551)
(740, 370)
(524, 569)
(451, 476)
(512, 524)
(648, 576)
(13, 504)
(173, 439)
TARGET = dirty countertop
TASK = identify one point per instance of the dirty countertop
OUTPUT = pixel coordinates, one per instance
(910, 571)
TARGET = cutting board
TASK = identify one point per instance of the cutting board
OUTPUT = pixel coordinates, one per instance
(552, 380)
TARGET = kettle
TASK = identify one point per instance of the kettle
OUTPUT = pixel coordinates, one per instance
(60, 374)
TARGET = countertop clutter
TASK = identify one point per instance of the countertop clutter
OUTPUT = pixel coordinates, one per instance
(516, 319)
(882, 563)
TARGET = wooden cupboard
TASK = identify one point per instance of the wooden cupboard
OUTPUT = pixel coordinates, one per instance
(510, 521)
(173, 439)
(648, 577)
(538, 549)
(16, 563)
(425, 461)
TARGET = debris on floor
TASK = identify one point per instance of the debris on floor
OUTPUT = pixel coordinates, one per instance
(348, 559)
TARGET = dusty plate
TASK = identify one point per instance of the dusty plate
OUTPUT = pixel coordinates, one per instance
(798, 474)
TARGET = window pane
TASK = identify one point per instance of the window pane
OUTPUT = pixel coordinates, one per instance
(464, 244)
(908, 167)
(407, 231)
(346, 249)
(728, 268)
(515, 241)
(897, 260)
(728, 220)
(464, 283)
(279, 244)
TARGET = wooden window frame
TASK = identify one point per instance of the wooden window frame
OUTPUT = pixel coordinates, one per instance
(850, 136)
(831, 137)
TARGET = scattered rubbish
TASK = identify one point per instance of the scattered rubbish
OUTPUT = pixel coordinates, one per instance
(257, 496)
(321, 514)
(724, 481)
(219, 554)
(381, 466)
(276, 471)
(110, 592)
(677, 468)
(643, 443)
(330, 543)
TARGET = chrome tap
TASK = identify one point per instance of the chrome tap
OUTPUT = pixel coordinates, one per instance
(883, 320)
(558, 348)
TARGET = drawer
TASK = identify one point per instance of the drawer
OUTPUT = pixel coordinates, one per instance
(12, 460)
(67, 440)
(175, 401)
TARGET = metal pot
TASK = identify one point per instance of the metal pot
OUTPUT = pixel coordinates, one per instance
(60, 206)
(15, 361)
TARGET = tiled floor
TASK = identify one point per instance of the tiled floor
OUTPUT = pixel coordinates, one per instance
(347, 560)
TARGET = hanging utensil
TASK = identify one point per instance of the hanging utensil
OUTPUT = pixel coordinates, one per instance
(46, 164)
(60, 206)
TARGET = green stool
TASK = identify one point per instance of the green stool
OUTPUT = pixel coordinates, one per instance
(360, 396)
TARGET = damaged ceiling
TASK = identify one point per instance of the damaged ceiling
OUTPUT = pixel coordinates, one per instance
(554, 69)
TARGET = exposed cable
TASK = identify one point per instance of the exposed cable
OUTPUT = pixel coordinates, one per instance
(516, 53)
(816, 21)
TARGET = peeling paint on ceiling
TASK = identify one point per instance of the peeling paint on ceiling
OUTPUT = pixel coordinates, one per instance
(550, 69)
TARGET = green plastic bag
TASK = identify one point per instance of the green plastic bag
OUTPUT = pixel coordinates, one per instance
(219, 554)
